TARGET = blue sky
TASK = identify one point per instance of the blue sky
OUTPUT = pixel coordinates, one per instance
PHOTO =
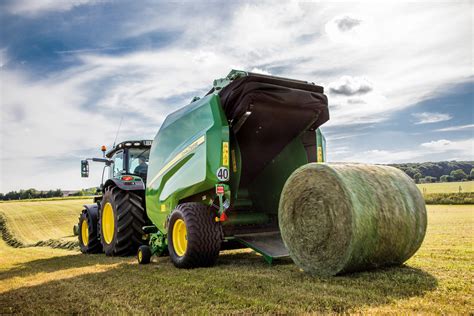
(398, 75)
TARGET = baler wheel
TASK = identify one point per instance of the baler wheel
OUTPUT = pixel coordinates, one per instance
(121, 220)
(144, 254)
(194, 237)
(87, 232)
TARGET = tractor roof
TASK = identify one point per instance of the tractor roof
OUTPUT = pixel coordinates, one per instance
(146, 143)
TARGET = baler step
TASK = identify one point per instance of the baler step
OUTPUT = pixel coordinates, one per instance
(268, 244)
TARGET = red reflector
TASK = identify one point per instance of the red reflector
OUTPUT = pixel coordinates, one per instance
(220, 190)
(127, 178)
(223, 217)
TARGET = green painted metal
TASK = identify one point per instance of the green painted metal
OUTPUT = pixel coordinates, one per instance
(265, 190)
(218, 84)
(268, 258)
(320, 146)
(183, 157)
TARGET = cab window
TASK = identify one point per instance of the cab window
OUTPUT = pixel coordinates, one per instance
(138, 161)
(118, 168)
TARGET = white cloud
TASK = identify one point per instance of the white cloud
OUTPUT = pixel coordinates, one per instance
(395, 45)
(456, 128)
(33, 7)
(441, 149)
(260, 71)
(431, 117)
(443, 145)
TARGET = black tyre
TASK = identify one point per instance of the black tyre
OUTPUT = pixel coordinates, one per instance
(194, 237)
(121, 219)
(87, 233)
(144, 254)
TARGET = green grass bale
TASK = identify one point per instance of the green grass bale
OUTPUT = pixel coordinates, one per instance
(338, 218)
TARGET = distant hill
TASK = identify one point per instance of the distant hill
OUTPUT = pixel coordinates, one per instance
(444, 171)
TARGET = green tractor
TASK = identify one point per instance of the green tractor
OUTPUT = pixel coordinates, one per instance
(114, 223)
(216, 171)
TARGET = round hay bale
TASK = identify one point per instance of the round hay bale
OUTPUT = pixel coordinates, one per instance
(337, 218)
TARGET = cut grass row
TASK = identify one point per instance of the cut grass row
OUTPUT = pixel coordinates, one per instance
(438, 279)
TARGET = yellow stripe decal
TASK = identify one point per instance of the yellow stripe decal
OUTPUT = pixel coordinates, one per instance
(186, 151)
(319, 155)
(225, 154)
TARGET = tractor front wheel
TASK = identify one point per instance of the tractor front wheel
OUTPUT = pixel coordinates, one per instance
(194, 237)
(87, 233)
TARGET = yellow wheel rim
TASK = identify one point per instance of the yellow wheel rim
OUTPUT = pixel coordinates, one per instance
(140, 256)
(85, 232)
(108, 223)
(180, 237)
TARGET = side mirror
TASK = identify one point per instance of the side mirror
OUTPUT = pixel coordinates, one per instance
(84, 168)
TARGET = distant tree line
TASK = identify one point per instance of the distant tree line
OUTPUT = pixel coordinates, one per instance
(443, 171)
(30, 194)
(85, 192)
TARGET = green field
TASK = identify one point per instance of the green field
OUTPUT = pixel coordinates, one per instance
(43, 280)
(446, 187)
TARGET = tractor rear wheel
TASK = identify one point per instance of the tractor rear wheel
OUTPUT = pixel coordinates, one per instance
(194, 237)
(87, 232)
(121, 220)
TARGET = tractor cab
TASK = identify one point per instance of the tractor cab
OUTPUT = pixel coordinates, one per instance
(126, 159)
(129, 158)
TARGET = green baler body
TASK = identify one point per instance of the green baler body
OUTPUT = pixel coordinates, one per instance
(190, 147)
(185, 155)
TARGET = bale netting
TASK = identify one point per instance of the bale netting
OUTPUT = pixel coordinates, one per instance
(338, 218)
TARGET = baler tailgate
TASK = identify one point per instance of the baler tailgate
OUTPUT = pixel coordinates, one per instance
(268, 244)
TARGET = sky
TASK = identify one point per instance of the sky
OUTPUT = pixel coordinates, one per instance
(398, 75)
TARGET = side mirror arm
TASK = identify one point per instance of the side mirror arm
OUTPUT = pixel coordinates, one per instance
(107, 161)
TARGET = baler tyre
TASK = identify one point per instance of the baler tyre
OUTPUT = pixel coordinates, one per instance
(87, 234)
(194, 237)
(144, 254)
(121, 220)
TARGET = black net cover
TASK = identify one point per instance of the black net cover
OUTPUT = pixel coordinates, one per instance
(271, 113)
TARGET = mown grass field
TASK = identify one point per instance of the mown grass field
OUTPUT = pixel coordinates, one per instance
(34, 221)
(446, 187)
(438, 279)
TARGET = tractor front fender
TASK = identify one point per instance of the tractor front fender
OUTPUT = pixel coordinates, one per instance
(126, 185)
(92, 211)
